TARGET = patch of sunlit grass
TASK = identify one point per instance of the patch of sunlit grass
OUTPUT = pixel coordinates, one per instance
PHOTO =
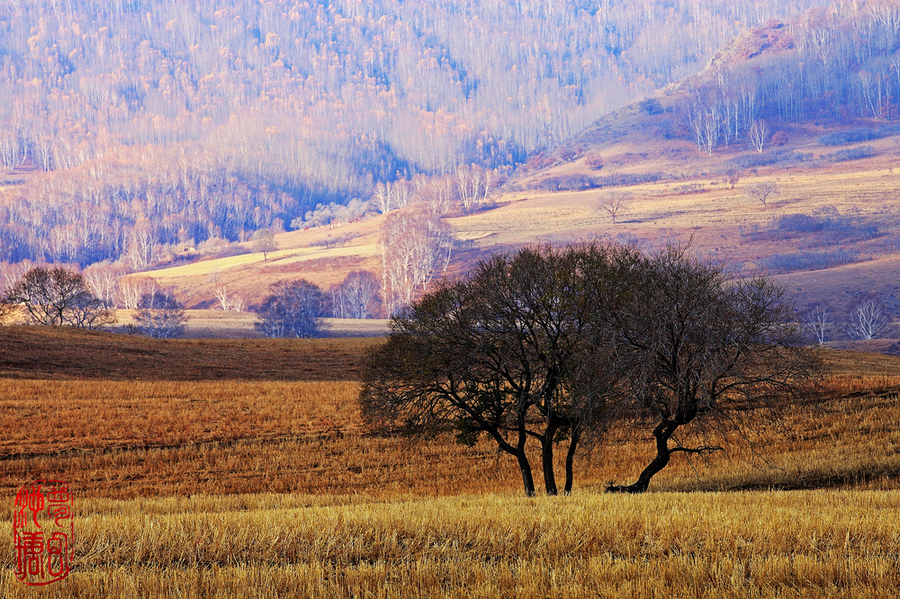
(751, 544)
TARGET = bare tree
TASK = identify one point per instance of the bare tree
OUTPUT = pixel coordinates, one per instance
(473, 185)
(614, 204)
(229, 302)
(437, 193)
(415, 245)
(758, 135)
(868, 320)
(816, 322)
(762, 191)
(143, 248)
(103, 280)
(58, 297)
(264, 242)
(292, 309)
(356, 296)
(160, 315)
(132, 289)
(381, 198)
(703, 350)
(12, 273)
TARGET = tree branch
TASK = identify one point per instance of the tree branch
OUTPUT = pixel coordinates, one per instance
(704, 449)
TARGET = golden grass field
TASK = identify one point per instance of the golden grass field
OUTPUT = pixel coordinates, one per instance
(271, 487)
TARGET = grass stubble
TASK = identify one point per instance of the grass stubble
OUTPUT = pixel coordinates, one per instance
(272, 488)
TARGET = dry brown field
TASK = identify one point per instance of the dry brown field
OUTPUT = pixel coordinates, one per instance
(270, 486)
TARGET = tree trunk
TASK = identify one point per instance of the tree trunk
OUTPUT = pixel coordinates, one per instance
(663, 432)
(570, 460)
(547, 460)
(524, 466)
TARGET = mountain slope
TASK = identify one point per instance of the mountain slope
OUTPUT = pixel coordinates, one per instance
(130, 125)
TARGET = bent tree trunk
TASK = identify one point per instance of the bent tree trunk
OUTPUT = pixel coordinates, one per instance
(570, 460)
(663, 432)
(524, 466)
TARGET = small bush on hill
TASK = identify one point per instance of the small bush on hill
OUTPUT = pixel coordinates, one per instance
(568, 183)
(594, 162)
(781, 158)
(850, 154)
(651, 106)
(834, 228)
(629, 179)
(796, 261)
(839, 138)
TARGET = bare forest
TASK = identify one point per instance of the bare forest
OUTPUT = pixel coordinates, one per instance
(134, 130)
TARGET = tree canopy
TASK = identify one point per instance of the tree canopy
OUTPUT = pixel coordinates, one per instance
(58, 297)
(554, 345)
(160, 315)
(292, 309)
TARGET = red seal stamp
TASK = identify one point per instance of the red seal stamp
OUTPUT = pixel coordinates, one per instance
(43, 532)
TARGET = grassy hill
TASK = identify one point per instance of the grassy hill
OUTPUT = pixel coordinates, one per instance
(830, 233)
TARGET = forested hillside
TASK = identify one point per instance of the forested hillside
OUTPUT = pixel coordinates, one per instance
(826, 67)
(131, 127)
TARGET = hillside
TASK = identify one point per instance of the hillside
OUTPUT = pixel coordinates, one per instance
(828, 229)
(67, 354)
(688, 163)
(830, 233)
(133, 130)
(249, 116)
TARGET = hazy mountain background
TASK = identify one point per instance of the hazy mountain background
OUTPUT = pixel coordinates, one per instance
(137, 127)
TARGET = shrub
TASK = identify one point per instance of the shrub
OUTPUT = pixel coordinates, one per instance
(850, 154)
(782, 158)
(651, 106)
(839, 138)
(808, 260)
(832, 228)
(628, 179)
(594, 162)
(568, 183)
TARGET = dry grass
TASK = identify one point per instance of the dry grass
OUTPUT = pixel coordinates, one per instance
(801, 544)
(153, 438)
(64, 353)
(271, 488)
